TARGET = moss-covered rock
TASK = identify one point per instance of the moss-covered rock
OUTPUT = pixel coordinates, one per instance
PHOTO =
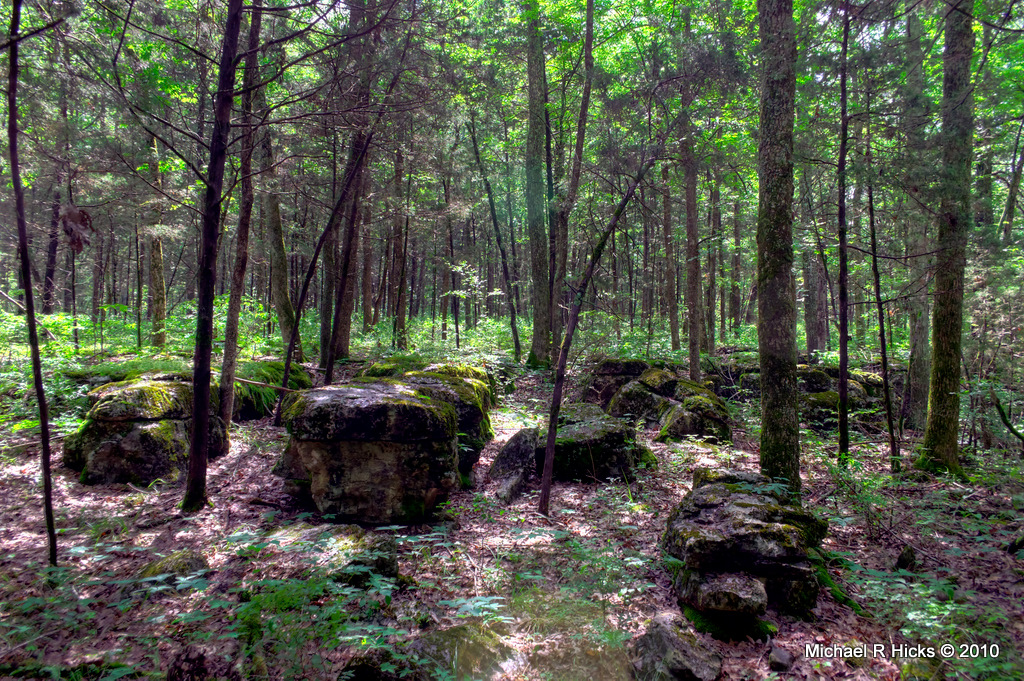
(139, 452)
(141, 400)
(471, 398)
(871, 382)
(668, 651)
(382, 452)
(750, 386)
(728, 525)
(394, 366)
(636, 400)
(697, 417)
(256, 402)
(174, 566)
(392, 411)
(608, 376)
(811, 380)
(592, 449)
(660, 381)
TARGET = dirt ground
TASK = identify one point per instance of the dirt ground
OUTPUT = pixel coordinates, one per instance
(564, 594)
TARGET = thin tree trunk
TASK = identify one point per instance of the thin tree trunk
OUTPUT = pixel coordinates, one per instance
(693, 310)
(1006, 219)
(49, 299)
(195, 483)
(671, 300)
(543, 504)
(540, 344)
(735, 297)
(844, 297)
(507, 277)
(26, 273)
(228, 366)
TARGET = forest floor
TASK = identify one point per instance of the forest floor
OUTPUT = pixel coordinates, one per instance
(562, 596)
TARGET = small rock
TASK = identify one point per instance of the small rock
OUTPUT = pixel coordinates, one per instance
(780, 659)
(907, 560)
(669, 651)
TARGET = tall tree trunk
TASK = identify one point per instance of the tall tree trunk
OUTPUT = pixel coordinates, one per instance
(157, 283)
(367, 280)
(671, 301)
(914, 409)
(940, 449)
(274, 233)
(1006, 219)
(844, 297)
(693, 310)
(540, 344)
(776, 330)
(228, 366)
(26, 274)
(195, 483)
(735, 297)
(49, 298)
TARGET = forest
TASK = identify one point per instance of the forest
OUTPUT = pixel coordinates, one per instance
(422, 339)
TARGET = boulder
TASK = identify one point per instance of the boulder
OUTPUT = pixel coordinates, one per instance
(592, 445)
(750, 386)
(669, 651)
(871, 382)
(137, 432)
(608, 376)
(697, 416)
(729, 592)
(515, 463)
(472, 398)
(812, 380)
(660, 381)
(741, 548)
(635, 400)
(382, 452)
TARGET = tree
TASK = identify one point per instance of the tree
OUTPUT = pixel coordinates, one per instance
(940, 449)
(540, 343)
(776, 331)
(14, 37)
(195, 482)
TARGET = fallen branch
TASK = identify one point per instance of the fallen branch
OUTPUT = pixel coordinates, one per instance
(12, 301)
(265, 385)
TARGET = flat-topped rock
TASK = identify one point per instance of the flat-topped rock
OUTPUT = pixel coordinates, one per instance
(382, 452)
(591, 445)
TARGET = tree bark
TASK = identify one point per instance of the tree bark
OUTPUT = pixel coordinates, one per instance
(914, 409)
(540, 343)
(844, 296)
(26, 274)
(49, 299)
(229, 364)
(776, 332)
(671, 301)
(195, 483)
(693, 311)
(940, 450)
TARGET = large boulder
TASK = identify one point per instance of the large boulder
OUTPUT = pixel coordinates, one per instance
(514, 465)
(137, 432)
(381, 452)
(608, 376)
(591, 445)
(637, 401)
(698, 413)
(670, 651)
(740, 549)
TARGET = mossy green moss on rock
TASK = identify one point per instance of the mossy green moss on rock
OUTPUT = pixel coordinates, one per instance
(728, 592)
(660, 381)
(812, 380)
(255, 401)
(725, 526)
(138, 452)
(382, 410)
(635, 400)
(393, 366)
(729, 627)
(181, 563)
(142, 400)
(591, 448)
(472, 399)
(608, 376)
